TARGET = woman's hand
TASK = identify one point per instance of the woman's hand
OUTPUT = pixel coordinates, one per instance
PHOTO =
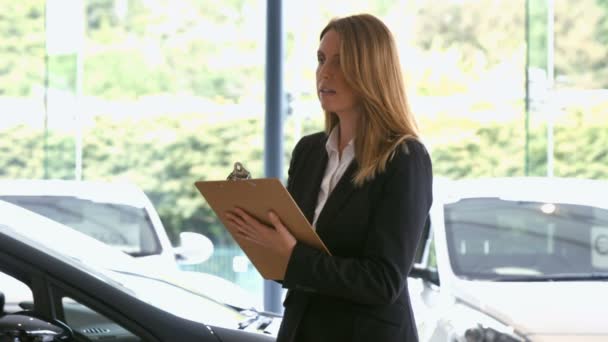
(275, 238)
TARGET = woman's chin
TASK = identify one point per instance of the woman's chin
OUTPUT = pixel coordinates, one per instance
(327, 107)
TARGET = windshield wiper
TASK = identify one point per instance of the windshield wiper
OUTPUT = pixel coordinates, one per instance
(554, 277)
(262, 319)
(139, 254)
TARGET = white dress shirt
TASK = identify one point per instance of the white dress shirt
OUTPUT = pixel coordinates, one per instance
(336, 166)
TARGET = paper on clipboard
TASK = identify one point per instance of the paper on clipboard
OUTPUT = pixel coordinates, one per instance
(257, 197)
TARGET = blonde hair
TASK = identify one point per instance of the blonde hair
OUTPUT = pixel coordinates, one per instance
(371, 67)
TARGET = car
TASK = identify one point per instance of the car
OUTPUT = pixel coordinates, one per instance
(121, 215)
(117, 213)
(514, 259)
(58, 284)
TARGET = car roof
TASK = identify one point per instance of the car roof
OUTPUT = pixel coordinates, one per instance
(119, 192)
(538, 189)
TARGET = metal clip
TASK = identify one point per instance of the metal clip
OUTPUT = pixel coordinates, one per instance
(239, 172)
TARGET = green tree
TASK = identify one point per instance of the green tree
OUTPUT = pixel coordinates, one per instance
(21, 47)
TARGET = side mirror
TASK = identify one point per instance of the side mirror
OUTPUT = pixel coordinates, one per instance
(194, 248)
(423, 273)
(27, 326)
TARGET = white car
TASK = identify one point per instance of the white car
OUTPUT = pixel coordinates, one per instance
(121, 215)
(514, 259)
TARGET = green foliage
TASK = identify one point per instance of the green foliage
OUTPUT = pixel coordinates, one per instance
(581, 56)
(145, 51)
(165, 155)
(136, 47)
(537, 23)
(62, 72)
(602, 30)
(21, 46)
(24, 151)
(125, 74)
(21, 149)
(203, 48)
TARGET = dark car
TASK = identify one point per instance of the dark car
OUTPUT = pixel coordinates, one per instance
(121, 215)
(60, 285)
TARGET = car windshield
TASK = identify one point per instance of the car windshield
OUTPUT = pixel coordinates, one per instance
(497, 239)
(168, 296)
(126, 227)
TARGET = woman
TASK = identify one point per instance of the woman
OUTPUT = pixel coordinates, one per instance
(366, 186)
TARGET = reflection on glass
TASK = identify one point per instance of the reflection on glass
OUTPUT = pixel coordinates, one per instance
(490, 237)
(124, 226)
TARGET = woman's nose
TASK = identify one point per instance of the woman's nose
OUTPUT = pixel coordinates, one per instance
(325, 71)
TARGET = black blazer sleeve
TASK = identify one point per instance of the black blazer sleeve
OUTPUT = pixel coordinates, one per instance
(398, 204)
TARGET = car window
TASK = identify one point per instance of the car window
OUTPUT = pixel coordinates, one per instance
(16, 296)
(489, 237)
(19, 321)
(432, 263)
(13, 292)
(123, 226)
(90, 325)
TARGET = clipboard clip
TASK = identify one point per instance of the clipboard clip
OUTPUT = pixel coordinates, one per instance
(239, 173)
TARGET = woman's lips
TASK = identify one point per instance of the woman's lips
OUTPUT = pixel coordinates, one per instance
(326, 92)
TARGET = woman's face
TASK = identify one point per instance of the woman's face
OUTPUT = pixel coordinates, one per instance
(335, 95)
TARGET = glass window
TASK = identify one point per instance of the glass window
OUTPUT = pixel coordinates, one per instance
(490, 237)
(432, 264)
(90, 324)
(126, 227)
(13, 294)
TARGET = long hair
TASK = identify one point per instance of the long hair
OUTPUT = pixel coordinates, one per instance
(371, 67)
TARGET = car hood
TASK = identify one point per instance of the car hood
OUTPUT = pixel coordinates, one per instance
(573, 308)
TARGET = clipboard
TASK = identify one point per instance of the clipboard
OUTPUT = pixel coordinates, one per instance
(257, 197)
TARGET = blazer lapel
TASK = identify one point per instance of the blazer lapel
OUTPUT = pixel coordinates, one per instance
(317, 171)
(338, 196)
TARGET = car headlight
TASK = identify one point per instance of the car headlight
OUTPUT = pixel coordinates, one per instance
(466, 324)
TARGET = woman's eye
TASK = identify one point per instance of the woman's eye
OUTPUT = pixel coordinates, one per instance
(320, 60)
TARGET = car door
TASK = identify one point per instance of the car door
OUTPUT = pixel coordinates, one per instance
(424, 285)
(27, 290)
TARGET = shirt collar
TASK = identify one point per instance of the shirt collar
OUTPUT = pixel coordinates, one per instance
(332, 142)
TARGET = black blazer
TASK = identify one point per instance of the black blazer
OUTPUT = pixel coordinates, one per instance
(360, 292)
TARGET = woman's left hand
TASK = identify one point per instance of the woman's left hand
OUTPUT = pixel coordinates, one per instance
(275, 238)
